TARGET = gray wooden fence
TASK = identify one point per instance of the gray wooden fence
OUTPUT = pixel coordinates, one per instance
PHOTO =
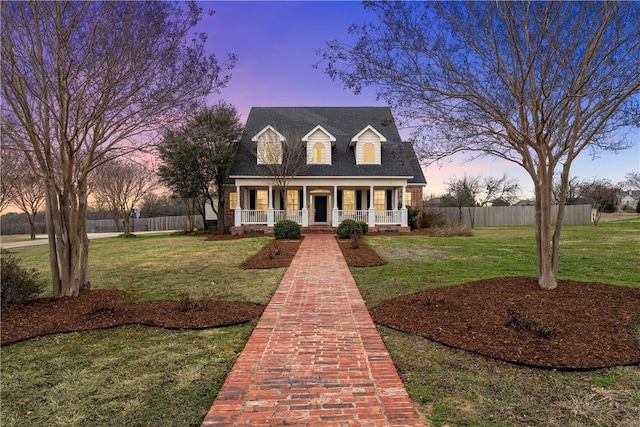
(144, 224)
(511, 215)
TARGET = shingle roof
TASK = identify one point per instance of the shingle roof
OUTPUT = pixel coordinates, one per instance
(398, 157)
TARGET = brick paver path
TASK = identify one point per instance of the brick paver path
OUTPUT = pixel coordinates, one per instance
(315, 357)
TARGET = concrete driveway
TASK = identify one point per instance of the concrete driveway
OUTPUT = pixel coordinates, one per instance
(41, 239)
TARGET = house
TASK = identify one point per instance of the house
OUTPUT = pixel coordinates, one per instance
(628, 198)
(353, 165)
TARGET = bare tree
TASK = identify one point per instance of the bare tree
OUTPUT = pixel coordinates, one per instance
(602, 195)
(534, 83)
(631, 181)
(503, 188)
(28, 192)
(119, 185)
(281, 156)
(463, 192)
(8, 177)
(572, 190)
(86, 82)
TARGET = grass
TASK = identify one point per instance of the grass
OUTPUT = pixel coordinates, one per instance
(132, 375)
(12, 238)
(152, 267)
(606, 253)
(456, 388)
(135, 375)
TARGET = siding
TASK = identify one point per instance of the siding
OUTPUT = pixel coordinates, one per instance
(368, 136)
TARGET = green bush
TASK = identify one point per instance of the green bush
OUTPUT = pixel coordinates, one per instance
(287, 229)
(638, 206)
(348, 228)
(363, 226)
(412, 216)
(19, 285)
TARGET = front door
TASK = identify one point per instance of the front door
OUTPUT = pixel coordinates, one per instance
(320, 205)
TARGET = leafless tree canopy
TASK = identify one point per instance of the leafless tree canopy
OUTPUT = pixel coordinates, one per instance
(120, 185)
(535, 83)
(281, 157)
(85, 82)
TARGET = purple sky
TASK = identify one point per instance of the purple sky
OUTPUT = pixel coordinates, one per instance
(276, 44)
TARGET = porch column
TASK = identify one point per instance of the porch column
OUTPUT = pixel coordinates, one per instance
(270, 209)
(334, 217)
(305, 210)
(372, 209)
(237, 220)
(404, 219)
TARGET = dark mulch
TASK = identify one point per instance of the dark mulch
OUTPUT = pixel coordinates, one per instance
(576, 326)
(97, 309)
(361, 256)
(276, 254)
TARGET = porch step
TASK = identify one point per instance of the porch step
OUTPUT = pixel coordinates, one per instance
(318, 229)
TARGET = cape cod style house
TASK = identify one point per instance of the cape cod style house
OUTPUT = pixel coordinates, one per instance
(320, 165)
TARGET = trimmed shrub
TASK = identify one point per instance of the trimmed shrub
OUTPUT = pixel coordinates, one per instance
(287, 229)
(363, 226)
(19, 284)
(348, 228)
(412, 216)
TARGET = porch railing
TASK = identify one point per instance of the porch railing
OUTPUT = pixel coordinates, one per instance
(360, 216)
(295, 216)
(388, 217)
(252, 216)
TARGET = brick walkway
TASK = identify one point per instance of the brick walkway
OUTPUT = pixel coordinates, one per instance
(315, 357)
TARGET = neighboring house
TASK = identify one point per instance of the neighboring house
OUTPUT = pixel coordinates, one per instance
(357, 167)
(628, 198)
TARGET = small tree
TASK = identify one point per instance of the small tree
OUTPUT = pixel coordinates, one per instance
(602, 195)
(572, 190)
(197, 157)
(284, 159)
(21, 186)
(119, 185)
(462, 192)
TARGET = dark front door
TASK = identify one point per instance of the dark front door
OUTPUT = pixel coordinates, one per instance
(320, 214)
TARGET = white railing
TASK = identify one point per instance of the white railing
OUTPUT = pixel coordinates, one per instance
(360, 216)
(295, 216)
(252, 216)
(388, 217)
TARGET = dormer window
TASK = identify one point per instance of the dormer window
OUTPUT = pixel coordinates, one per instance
(269, 146)
(368, 146)
(319, 142)
(318, 153)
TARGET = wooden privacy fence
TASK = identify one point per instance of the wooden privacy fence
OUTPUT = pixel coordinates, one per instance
(511, 215)
(161, 223)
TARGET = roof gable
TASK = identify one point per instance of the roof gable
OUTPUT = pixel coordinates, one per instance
(266, 129)
(332, 138)
(355, 139)
(398, 158)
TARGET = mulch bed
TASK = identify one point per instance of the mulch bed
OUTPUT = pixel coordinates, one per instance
(99, 309)
(276, 254)
(362, 256)
(576, 326)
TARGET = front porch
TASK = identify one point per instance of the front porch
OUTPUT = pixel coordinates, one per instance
(257, 208)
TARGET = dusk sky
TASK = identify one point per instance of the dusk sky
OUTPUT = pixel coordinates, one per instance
(276, 44)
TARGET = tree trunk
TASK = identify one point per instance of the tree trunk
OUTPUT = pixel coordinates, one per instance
(68, 243)
(32, 224)
(547, 269)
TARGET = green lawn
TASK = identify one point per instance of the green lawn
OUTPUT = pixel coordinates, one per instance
(455, 388)
(137, 375)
